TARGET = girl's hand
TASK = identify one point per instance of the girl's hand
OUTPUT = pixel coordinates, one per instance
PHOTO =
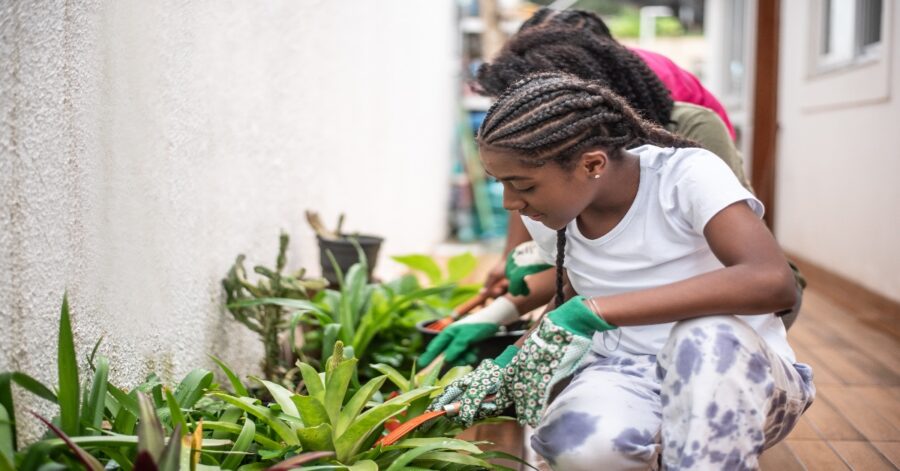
(552, 352)
(457, 339)
(471, 390)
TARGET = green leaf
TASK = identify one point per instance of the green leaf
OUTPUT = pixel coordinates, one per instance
(422, 263)
(394, 375)
(304, 458)
(364, 465)
(116, 440)
(33, 386)
(316, 438)
(96, 401)
(175, 412)
(236, 383)
(282, 397)
(349, 442)
(336, 388)
(313, 381)
(357, 402)
(266, 415)
(171, 454)
(150, 431)
(453, 457)
(330, 335)
(312, 411)
(446, 443)
(403, 460)
(128, 402)
(192, 387)
(67, 366)
(89, 462)
(7, 445)
(241, 445)
(460, 266)
(229, 428)
(230, 415)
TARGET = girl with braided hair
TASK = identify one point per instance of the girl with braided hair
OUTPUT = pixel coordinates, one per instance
(666, 284)
(577, 43)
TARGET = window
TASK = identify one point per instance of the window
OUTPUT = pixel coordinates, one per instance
(849, 33)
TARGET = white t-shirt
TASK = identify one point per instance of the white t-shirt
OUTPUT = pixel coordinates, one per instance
(659, 241)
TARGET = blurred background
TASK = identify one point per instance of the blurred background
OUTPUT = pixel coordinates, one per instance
(144, 144)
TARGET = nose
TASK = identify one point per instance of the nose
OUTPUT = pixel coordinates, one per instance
(511, 202)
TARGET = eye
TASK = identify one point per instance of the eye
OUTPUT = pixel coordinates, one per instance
(528, 189)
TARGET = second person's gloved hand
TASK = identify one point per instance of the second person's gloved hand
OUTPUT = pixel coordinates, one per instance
(524, 260)
(457, 338)
(552, 352)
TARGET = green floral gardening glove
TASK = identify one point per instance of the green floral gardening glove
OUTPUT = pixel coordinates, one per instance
(551, 353)
(524, 260)
(471, 390)
(456, 340)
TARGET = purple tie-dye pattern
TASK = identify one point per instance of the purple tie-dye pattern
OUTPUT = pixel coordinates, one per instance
(564, 434)
(720, 401)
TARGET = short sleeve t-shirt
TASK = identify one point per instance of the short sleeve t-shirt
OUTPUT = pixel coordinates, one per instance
(659, 241)
(683, 85)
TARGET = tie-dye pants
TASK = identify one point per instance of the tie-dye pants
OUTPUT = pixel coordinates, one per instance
(714, 398)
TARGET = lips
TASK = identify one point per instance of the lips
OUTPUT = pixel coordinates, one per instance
(535, 216)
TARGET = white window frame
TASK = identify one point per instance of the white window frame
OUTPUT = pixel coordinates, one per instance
(855, 78)
(846, 38)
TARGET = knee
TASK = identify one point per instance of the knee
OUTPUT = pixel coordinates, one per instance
(580, 441)
(705, 346)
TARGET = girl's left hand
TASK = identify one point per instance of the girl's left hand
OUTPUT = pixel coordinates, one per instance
(551, 353)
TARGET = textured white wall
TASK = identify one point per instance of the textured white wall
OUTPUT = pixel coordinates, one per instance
(145, 144)
(838, 194)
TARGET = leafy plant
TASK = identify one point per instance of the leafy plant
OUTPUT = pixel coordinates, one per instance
(377, 321)
(267, 320)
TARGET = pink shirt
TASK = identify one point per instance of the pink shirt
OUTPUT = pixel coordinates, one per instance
(683, 85)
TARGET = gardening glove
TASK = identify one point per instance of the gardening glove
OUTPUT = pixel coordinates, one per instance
(524, 260)
(471, 390)
(552, 352)
(457, 338)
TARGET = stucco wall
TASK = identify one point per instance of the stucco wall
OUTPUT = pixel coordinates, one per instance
(144, 144)
(838, 194)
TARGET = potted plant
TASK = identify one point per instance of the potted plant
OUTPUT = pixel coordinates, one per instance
(340, 251)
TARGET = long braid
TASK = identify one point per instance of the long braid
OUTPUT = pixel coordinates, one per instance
(560, 258)
(557, 47)
(556, 117)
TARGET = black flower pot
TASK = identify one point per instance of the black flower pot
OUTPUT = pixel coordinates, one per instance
(488, 348)
(346, 255)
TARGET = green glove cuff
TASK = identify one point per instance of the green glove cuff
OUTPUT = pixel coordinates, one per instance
(516, 273)
(506, 356)
(577, 318)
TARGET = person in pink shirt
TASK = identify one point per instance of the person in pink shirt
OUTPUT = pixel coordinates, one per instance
(683, 85)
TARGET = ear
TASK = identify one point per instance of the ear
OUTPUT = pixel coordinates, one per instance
(594, 162)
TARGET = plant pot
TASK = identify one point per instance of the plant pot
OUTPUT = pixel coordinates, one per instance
(488, 348)
(345, 254)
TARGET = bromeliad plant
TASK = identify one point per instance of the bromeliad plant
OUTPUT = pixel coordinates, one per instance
(377, 321)
(333, 424)
(269, 321)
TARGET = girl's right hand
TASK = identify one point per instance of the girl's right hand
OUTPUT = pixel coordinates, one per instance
(457, 338)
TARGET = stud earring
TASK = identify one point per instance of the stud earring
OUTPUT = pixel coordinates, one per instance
(596, 176)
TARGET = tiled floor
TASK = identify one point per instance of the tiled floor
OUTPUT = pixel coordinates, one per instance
(854, 350)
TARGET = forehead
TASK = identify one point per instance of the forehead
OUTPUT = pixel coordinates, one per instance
(505, 164)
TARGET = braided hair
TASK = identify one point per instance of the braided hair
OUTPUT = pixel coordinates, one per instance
(578, 19)
(557, 47)
(557, 117)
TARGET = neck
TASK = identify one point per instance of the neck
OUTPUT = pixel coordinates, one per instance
(620, 188)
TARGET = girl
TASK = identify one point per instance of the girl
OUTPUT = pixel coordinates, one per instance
(665, 284)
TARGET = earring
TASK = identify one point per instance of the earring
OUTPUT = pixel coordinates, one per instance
(596, 176)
